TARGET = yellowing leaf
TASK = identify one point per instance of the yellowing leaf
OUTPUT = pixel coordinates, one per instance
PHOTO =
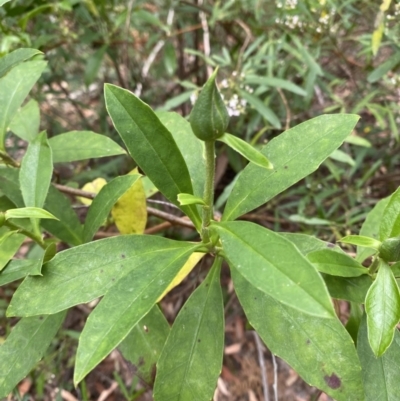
(194, 258)
(130, 213)
(94, 187)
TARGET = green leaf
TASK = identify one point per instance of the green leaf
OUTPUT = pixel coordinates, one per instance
(14, 87)
(275, 83)
(16, 57)
(9, 185)
(103, 203)
(336, 264)
(194, 348)
(143, 345)
(189, 199)
(319, 350)
(29, 212)
(10, 242)
(295, 154)
(93, 65)
(191, 147)
(390, 222)
(384, 68)
(274, 265)
(127, 302)
(360, 240)
(36, 171)
(370, 228)
(246, 150)
(16, 269)
(151, 145)
(353, 289)
(353, 323)
(25, 347)
(380, 375)
(94, 267)
(82, 145)
(25, 123)
(342, 157)
(67, 228)
(382, 305)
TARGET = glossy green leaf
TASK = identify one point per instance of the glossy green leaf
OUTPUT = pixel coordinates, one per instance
(29, 212)
(380, 375)
(25, 123)
(390, 222)
(14, 87)
(336, 264)
(353, 289)
(10, 242)
(25, 347)
(194, 348)
(82, 145)
(295, 154)
(361, 240)
(36, 171)
(9, 185)
(274, 265)
(189, 199)
(127, 302)
(191, 147)
(16, 57)
(94, 267)
(308, 243)
(370, 228)
(246, 150)
(103, 203)
(143, 345)
(67, 228)
(16, 269)
(275, 83)
(382, 305)
(151, 145)
(319, 350)
(93, 65)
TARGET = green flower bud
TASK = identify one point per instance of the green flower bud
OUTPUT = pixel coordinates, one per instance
(209, 117)
(390, 249)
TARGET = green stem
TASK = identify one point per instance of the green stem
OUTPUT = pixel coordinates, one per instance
(37, 238)
(7, 159)
(208, 190)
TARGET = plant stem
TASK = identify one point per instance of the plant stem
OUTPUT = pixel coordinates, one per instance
(37, 238)
(208, 190)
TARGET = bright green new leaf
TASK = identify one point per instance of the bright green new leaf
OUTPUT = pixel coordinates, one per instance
(151, 145)
(10, 242)
(275, 83)
(29, 212)
(103, 203)
(36, 171)
(26, 122)
(189, 199)
(127, 302)
(390, 222)
(274, 265)
(191, 360)
(320, 350)
(86, 272)
(25, 347)
(143, 345)
(380, 375)
(353, 289)
(18, 56)
(14, 87)
(246, 150)
(342, 157)
(82, 145)
(295, 154)
(382, 305)
(336, 264)
(361, 240)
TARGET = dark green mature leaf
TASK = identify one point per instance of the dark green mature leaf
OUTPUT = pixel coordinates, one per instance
(380, 375)
(16, 57)
(308, 243)
(24, 347)
(274, 265)
(390, 223)
(191, 360)
(143, 345)
(36, 171)
(14, 87)
(382, 305)
(82, 145)
(17, 269)
(26, 122)
(86, 272)
(295, 154)
(151, 145)
(68, 227)
(320, 350)
(103, 203)
(353, 289)
(336, 264)
(127, 302)
(9, 185)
